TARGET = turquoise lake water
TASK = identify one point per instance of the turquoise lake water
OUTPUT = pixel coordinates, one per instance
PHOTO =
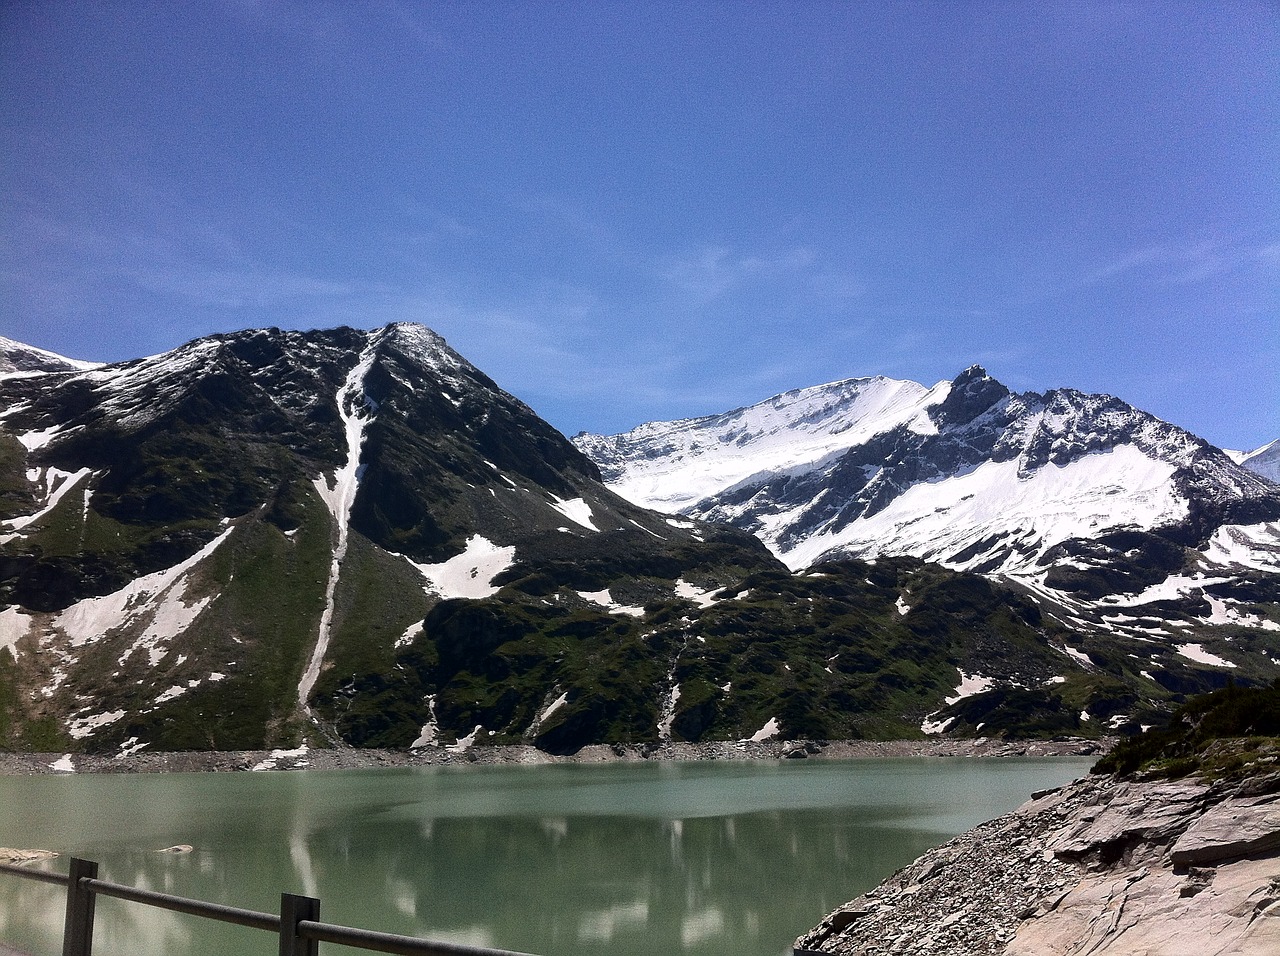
(566, 860)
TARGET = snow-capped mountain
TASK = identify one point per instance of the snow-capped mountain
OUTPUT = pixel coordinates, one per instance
(19, 359)
(1265, 461)
(965, 473)
(255, 525)
(1114, 522)
(267, 538)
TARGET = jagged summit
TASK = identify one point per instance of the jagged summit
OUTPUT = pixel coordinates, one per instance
(967, 472)
(674, 465)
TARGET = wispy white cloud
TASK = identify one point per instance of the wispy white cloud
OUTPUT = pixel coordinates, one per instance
(1186, 262)
(711, 271)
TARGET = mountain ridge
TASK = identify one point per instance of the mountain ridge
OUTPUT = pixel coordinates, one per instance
(264, 538)
(807, 494)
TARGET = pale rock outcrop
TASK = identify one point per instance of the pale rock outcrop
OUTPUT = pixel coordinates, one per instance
(1099, 867)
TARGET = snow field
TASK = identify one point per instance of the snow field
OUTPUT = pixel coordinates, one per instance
(938, 519)
(794, 433)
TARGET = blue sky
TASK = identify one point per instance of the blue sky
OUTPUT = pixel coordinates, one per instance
(625, 212)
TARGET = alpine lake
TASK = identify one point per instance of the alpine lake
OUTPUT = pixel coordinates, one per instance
(733, 858)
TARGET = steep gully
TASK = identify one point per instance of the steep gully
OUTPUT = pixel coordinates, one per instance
(356, 410)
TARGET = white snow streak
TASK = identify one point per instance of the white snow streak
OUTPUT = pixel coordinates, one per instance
(930, 726)
(14, 625)
(277, 755)
(795, 433)
(1081, 656)
(1223, 612)
(162, 594)
(81, 727)
(700, 596)
(464, 742)
(1170, 589)
(554, 706)
(1253, 546)
(969, 685)
(412, 631)
(605, 600)
(427, 736)
(1077, 500)
(56, 483)
(355, 411)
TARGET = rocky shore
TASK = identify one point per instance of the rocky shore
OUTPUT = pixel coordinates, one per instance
(1101, 866)
(347, 758)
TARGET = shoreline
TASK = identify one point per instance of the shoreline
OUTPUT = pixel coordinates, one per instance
(350, 758)
(1104, 865)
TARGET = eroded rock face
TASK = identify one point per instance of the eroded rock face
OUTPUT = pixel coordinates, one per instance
(1242, 826)
(1097, 867)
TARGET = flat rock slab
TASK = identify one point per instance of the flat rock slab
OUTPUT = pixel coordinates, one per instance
(1233, 828)
(1229, 910)
(1132, 813)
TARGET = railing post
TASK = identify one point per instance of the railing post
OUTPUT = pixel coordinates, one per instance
(77, 931)
(294, 909)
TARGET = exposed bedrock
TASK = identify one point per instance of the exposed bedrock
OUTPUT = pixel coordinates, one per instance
(1098, 867)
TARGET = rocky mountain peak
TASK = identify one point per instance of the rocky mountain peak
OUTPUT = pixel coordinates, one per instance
(967, 473)
(972, 393)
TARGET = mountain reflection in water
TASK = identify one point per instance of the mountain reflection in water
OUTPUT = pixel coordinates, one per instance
(566, 860)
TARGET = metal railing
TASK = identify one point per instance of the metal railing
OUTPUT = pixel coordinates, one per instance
(297, 924)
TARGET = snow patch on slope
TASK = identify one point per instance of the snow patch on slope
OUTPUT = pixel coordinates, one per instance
(1172, 588)
(19, 360)
(700, 596)
(970, 684)
(576, 510)
(1197, 653)
(55, 484)
(160, 598)
(469, 574)
(14, 625)
(1264, 461)
(427, 736)
(1252, 546)
(771, 729)
(605, 600)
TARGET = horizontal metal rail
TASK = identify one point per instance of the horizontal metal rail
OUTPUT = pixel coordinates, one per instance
(299, 931)
(180, 904)
(40, 876)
